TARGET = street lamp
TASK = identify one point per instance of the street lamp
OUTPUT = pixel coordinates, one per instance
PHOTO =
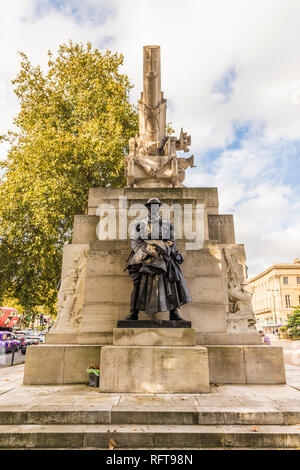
(274, 305)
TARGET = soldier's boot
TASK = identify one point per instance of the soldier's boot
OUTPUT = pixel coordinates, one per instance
(134, 315)
(174, 315)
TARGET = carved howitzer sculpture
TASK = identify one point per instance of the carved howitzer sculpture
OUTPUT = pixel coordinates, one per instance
(152, 159)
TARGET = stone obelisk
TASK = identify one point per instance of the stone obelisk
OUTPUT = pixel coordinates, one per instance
(152, 160)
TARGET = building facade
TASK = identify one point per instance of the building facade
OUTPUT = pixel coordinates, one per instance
(276, 291)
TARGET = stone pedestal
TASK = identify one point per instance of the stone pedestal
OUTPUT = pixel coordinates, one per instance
(154, 337)
(236, 364)
(102, 298)
(177, 367)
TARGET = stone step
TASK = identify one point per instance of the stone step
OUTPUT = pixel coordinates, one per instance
(77, 415)
(205, 417)
(148, 436)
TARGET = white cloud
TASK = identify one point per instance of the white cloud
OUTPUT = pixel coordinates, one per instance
(266, 210)
(200, 42)
(22, 30)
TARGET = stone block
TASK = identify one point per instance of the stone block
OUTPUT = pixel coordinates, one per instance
(98, 321)
(246, 364)
(226, 364)
(44, 365)
(292, 417)
(207, 290)
(84, 228)
(213, 338)
(13, 416)
(207, 317)
(206, 196)
(264, 364)
(61, 337)
(36, 436)
(45, 414)
(101, 262)
(77, 359)
(235, 418)
(200, 437)
(154, 369)
(154, 337)
(98, 289)
(204, 262)
(110, 245)
(146, 193)
(124, 437)
(155, 409)
(265, 436)
(99, 195)
(100, 317)
(108, 289)
(57, 364)
(95, 337)
(221, 228)
(145, 417)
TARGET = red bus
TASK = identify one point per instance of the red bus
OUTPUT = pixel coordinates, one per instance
(9, 317)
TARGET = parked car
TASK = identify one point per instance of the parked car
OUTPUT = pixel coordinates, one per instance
(29, 341)
(23, 346)
(6, 341)
(34, 339)
(21, 335)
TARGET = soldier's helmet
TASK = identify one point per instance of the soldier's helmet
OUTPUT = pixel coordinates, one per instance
(153, 200)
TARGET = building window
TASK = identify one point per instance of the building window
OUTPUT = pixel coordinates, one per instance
(298, 279)
(287, 301)
(285, 280)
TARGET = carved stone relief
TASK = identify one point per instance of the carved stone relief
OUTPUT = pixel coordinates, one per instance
(240, 316)
(70, 296)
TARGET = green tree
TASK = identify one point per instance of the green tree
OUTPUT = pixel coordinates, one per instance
(294, 323)
(73, 128)
(12, 303)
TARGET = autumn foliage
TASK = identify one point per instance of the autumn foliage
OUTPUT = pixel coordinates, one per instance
(72, 132)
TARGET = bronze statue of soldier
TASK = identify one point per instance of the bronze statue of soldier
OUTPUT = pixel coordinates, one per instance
(154, 266)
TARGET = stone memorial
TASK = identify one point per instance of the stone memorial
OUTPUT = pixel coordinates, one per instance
(213, 340)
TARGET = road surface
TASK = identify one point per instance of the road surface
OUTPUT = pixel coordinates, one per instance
(5, 359)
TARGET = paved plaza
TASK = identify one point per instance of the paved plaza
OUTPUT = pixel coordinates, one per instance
(14, 394)
(78, 416)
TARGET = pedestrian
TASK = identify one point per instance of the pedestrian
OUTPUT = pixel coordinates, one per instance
(265, 337)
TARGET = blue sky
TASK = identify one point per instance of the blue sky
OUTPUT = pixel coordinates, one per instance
(230, 72)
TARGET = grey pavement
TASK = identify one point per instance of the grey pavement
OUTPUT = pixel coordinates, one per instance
(78, 416)
(267, 398)
(272, 402)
